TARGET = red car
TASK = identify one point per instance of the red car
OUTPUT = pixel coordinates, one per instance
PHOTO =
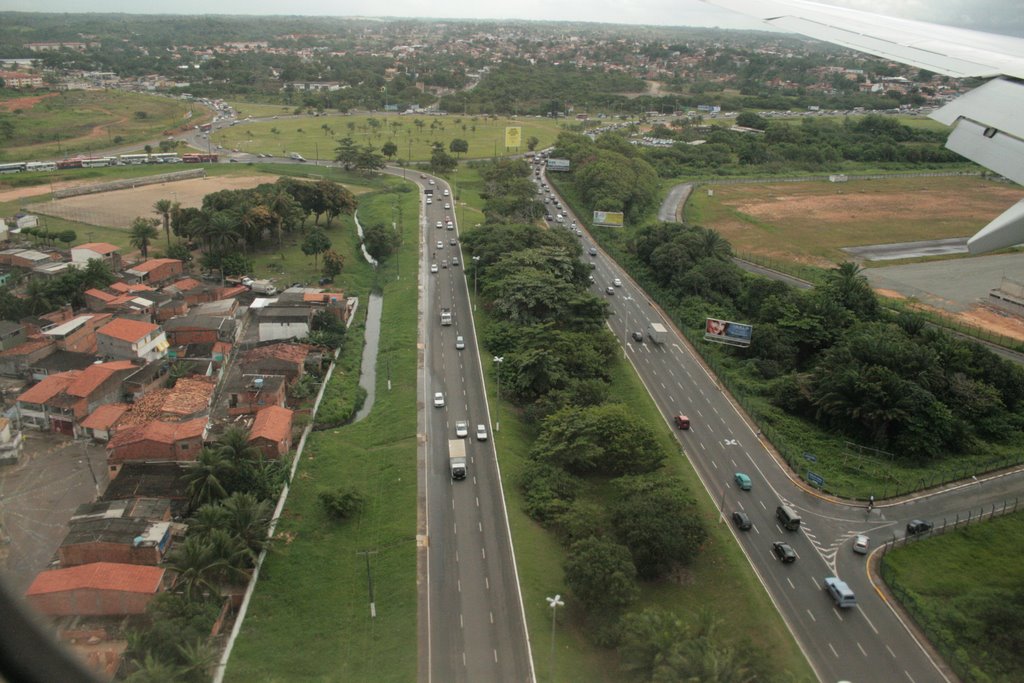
(682, 422)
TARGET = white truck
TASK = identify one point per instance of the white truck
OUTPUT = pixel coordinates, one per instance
(457, 458)
(446, 316)
(657, 333)
(265, 287)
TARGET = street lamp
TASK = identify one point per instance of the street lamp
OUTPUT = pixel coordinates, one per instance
(498, 360)
(476, 260)
(554, 603)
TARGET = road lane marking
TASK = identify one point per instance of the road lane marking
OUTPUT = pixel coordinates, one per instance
(862, 651)
(890, 651)
(790, 582)
(833, 650)
(811, 616)
(462, 623)
(487, 583)
(909, 677)
(483, 553)
(714, 464)
(867, 620)
(763, 506)
(480, 527)
(492, 616)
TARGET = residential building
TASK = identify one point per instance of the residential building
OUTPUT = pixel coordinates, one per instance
(77, 335)
(156, 271)
(11, 334)
(19, 79)
(278, 359)
(271, 431)
(16, 361)
(195, 328)
(250, 393)
(156, 441)
(26, 258)
(284, 322)
(60, 401)
(101, 251)
(98, 589)
(124, 540)
(99, 423)
(153, 509)
(131, 339)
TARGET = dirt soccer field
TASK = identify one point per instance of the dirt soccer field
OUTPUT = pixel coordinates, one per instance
(810, 222)
(117, 209)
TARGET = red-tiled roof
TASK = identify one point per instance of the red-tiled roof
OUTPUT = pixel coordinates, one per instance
(186, 284)
(296, 353)
(27, 347)
(127, 330)
(94, 375)
(229, 292)
(109, 576)
(48, 388)
(126, 288)
(98, 247)
(159, 431)
(105, 416)
(273, 423)
(100, 294)
(153, 264)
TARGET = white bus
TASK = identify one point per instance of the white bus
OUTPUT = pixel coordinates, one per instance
(95, 162)
(134, 158)
(41, 166)
(164, 158)
(16, 167)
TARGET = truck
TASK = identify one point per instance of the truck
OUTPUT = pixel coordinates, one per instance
(657, 333)
(840, 593)
(263, 287)
(446, 316)
(457, 458)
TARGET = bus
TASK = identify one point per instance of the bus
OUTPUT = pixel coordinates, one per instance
(15, 167)
(198, 158)
(164, 158)
(69, 163)
(134, 158)
(206, 127)
(41, 166)
(96, 162)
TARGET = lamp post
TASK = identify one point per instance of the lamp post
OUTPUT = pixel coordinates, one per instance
(498, 360)
(476, 260)
(554, 603)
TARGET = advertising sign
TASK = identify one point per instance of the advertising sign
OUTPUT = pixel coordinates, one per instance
(558, 164)
(727, 332)
(513, 136)
(611, 219)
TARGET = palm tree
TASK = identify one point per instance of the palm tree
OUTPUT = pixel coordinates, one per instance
(196, 565)
(143, 231)
(713, 245)
(221, 232)
(208, 517)
(234, 445)
(198, 658)
(153, 670)
(163, 207)
(205, 480)
(248, 519)
(38, 295)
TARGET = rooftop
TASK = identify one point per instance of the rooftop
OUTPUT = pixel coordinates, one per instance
(158, 431)
(126, 288)
(128, 330)
(190, 395)
(295, 353)
(151, 480)
(49, 387)
(153, 264)
(113, 576)
(93, 376)
(273, 423)
(139, 508)
(30, 346)
(98, 247)
(124, 530)
(105, 416)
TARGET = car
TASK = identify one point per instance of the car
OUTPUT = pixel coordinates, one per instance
(548, 217)
(784, 552)
(742, 521)
(439, 400)
(450, 225)
(460, 342)
(422, 175)
(591, 278)
(440, 244)
(743, 481)
(860, 544)
(429, 200)
(638, 337)
(481, 432)
(918, 526)
(579, 233)
(247, 281)
(431, 181)
(455, 260)
(447, 205)
(233, 161)
(592, 251)
(461, 429)
(444, 263)
(433, 267)
(439, 224)
(451, 241)
(445, 193)
(617, 282)
(682, 422)
(610, 291)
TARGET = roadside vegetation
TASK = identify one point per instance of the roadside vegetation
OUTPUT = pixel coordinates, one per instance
(964, 589)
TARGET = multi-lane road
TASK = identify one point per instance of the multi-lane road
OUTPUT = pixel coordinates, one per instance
(472, 625)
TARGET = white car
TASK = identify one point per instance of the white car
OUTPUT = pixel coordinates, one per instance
(429, 200)
(447, 205)
(433, 267)
(439, 400)
(431, 181)
(617, 282)
(440, 244)
(481, 432)
(461, 429)
(460, 343)
(439, 225)
(446, 192)
(860, 544)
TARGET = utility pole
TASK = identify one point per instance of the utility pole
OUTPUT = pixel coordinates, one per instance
(554, 603)
(369, 579)
(498, 360)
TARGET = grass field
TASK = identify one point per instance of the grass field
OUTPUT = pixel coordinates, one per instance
(309, 619)
(950, 584)
(78, 121)
(809, 222)
(317, 137)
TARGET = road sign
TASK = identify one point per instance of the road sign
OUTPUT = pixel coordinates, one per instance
(810, 457)
(815, 479)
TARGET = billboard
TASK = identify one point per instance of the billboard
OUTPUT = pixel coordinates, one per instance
(611, 219)
(513, 136)
(727, 332)
(558, 164)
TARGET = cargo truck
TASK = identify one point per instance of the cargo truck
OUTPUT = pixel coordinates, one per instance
(657, 333)
(457, 458)
(265, 287)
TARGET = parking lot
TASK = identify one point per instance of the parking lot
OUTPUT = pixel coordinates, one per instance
(55, 475)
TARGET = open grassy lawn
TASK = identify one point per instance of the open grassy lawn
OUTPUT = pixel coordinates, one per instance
(809, 222)
(956, 583)
(310, 618)
(317, 137)
(77, 121)
(259, 109)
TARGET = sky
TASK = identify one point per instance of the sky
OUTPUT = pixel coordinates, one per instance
(986, 15)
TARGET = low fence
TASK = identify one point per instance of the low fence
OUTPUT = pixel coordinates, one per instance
(946, 642)
(129, 183)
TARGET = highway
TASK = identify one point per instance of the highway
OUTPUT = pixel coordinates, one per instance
(868, 642)
(471, 612)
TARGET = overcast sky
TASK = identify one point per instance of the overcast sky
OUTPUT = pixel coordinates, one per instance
(991, 15)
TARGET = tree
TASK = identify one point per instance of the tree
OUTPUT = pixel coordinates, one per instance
(607, 438)
(67, 237)
(381, 241)
(196, 565)
(206, 477)
(142, 234)
(347, 152)
(532, 142)
(235, 445)
(458, 146)
(601, 574)
(248, 518)
(335, 199)
(333, 263)
(368, 160)
(220, 232)
(341, 504)
(316, 243)
(389, 149)
(441, 161)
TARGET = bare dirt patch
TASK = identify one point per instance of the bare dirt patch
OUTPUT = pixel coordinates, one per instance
(117, 209)
(24, 102)
(981, 316)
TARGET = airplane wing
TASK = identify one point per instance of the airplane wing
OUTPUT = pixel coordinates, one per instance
(987, 126)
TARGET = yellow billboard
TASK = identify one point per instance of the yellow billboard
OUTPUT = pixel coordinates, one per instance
(612, 219)
(513, 136)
